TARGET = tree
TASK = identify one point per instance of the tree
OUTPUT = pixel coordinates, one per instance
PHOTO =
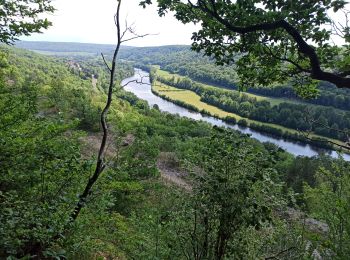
(41, 167)
(22, 17)
(329, 202)
(233, 194)
(101, 162)
(271, 41)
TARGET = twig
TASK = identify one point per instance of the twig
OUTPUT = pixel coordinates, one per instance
(138, 81)
(104, 60)
(138, 36)
(100, 163)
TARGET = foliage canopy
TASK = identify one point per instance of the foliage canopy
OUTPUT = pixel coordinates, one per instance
(270, 41)
(22, 17)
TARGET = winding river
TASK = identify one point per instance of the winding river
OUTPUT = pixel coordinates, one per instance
(143, 91)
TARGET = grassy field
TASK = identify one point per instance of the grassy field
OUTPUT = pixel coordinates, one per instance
(51, 53)
(191, 98)
(273, 101)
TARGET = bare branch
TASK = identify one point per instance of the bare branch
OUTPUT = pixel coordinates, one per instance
(306, 136)
(100, 163)
(136, 81)
(125, 30)
(104, 60)
(308, 133)
(138, 36)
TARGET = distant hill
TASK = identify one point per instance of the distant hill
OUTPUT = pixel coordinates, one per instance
(93, 48)
(67, 47)
(180, 59)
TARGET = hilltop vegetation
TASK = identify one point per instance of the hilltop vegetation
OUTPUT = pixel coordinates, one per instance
(181, 60)
(89, 171)
(67, 48)
(49, 128)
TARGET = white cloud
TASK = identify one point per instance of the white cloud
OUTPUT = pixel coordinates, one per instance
(92, 21)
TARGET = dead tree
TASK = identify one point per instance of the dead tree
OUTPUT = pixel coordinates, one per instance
(101, 163)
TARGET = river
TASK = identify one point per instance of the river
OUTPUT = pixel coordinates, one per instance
(143, 91)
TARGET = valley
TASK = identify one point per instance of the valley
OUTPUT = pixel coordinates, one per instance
(175, 130)
(173, 159)
(145, 92)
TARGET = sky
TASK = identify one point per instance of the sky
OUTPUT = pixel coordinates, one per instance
(92, 21)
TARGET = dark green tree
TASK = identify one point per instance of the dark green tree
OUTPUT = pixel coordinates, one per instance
(22, 17)
(329, 202)
(270, 41)
(233, 192)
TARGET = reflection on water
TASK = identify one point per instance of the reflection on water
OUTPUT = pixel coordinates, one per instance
(143, 91)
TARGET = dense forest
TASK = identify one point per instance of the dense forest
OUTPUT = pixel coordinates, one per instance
(181, 60)
(138, 208)
(91, 171)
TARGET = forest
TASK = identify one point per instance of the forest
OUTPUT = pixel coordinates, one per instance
(89, 170)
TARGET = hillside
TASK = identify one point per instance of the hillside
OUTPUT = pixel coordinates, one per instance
(67, 48)
(181, 60)
(229, 142)
(49, 139)
(168, 178)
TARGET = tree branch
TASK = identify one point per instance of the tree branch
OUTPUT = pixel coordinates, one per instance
(137, 36)
(301, 69)
(304, 48)
(138, 81)
(104, 60)
(100, 164)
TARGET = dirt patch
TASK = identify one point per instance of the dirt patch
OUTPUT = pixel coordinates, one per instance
(310, 223)
(91, 145)
(170, 171)
(94, 82)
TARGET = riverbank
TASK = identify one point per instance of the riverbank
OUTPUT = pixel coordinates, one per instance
(273, 101)
(192, 101)
(286, 116)
(297, 148)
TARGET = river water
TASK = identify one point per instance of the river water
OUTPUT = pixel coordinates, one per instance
(143, 91)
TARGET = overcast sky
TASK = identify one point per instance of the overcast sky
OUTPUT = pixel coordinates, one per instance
(92, 21)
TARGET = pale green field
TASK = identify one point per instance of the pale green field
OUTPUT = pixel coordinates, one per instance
(52, 53)
(191, 98)
(273, 101)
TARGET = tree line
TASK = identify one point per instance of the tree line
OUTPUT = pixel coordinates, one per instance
(181, 60)
(325, 121)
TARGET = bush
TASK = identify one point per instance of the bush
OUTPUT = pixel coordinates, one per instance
(230, 119)
(242, 122)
